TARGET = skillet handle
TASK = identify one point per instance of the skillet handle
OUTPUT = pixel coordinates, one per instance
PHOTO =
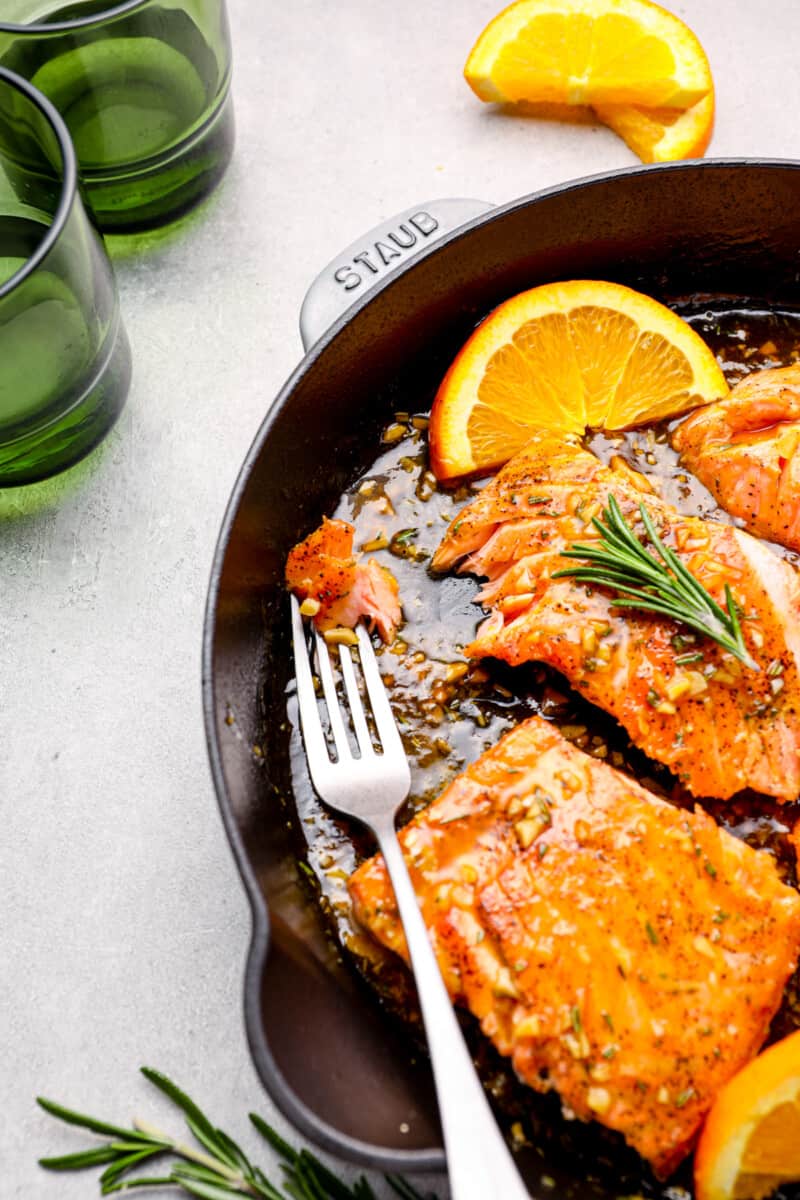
(372, 257)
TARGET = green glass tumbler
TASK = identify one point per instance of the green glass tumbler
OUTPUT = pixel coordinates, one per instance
(144, 88)
(65, 362)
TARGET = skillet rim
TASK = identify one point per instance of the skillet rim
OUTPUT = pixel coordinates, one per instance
(292, 1108)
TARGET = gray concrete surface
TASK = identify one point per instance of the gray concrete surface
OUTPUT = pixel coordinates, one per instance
(123, 927)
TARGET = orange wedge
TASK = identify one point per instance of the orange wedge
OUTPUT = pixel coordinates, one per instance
(563, 357)
(655, 134)
(662, 134)
(750, 1144)
(597, 52)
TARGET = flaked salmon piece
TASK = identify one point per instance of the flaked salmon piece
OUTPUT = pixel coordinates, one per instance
(745, 450)
(324, 569)
(620, 950)
(685, 701)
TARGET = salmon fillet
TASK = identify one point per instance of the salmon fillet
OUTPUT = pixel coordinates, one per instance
(719, 725)
(620, 950)
(324, 569)
(745, 450)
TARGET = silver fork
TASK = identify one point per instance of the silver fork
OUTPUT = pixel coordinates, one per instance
(371, 787)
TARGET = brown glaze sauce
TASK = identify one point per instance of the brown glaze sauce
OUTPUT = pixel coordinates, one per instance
(450, 711)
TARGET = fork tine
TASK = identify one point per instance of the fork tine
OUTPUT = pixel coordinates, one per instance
(316, 747)
(331, 699)
(354, 702)
(381, 708)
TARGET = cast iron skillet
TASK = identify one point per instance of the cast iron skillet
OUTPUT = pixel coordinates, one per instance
(728, 229)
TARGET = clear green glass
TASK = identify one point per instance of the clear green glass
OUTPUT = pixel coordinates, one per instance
(144, 88)
(65, 363)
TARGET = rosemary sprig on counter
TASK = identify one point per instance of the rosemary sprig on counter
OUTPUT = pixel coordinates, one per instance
(620, 561)
(215, 1169)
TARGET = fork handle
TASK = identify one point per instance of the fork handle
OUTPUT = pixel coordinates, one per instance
(479, 1162)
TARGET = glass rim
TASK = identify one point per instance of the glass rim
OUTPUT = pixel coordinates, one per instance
(39, 28)
(69, 182)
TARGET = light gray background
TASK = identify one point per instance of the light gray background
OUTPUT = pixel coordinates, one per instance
(123, 926)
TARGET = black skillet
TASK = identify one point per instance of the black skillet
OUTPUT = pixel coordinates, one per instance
(399, 304)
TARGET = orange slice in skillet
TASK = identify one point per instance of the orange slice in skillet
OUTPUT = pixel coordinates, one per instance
(562, 357)
(589, 52)
(750, 1145)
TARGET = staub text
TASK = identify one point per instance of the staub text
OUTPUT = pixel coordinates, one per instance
(378, 256)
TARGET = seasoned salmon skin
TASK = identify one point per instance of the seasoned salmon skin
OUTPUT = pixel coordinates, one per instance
(746, 450)
(719, 725)
(620, 950)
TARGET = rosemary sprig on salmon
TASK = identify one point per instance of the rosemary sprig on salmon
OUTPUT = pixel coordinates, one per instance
(623, 563)
(685, 700)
